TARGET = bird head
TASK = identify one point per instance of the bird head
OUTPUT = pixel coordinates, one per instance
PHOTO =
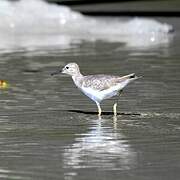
(71, 69)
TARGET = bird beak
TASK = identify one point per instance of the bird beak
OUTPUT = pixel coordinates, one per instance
(55, 73)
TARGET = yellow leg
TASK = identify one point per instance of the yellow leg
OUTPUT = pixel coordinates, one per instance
(99, 109)
(115, 109)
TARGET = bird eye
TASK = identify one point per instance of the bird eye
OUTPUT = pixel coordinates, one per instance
(67, 67)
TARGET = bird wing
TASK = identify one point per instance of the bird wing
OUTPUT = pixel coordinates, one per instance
(100, 82)
(104, 82)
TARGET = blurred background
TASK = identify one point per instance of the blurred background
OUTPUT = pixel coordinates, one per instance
(124, 7)
(49, 129)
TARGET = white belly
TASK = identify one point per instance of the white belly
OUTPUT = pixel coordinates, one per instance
(105, 94)
(99, 95)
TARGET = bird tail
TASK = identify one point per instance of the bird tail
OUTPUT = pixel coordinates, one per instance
(130, 77)
(125, 80)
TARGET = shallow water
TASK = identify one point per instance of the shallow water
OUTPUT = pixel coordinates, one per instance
(49, 130)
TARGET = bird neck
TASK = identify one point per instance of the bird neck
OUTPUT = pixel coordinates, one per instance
(77, 79)
(77, 74)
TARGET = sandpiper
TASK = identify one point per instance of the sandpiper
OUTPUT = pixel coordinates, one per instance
(97, 87)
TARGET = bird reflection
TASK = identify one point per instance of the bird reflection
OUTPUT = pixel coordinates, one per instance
(102, 147)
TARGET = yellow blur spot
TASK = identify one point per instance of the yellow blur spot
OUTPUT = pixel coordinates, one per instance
(3, 84)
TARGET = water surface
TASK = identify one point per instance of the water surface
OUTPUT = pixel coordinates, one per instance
(49, 130)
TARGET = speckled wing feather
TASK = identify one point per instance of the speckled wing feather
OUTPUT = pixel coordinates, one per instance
(100, 82)
(103, 82)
